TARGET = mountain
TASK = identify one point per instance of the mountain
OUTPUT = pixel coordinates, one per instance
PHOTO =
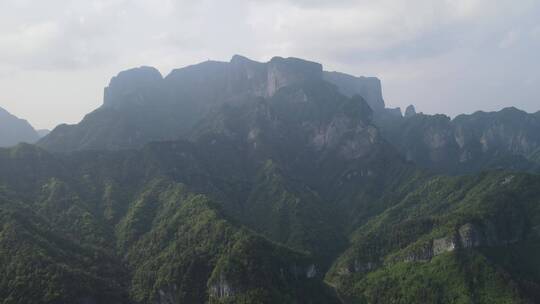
(243, 210)
(126, 228)
(469, 239)
(367, 87)
(43, 132)
(248, 182)
(14, 130)
(141, 106)
(468, 143)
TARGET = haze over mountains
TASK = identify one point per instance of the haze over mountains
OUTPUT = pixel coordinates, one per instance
(14, 130)
(141, 106)
(174, 104)
(277, 182)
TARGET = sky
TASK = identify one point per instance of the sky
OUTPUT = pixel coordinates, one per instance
(443, 56)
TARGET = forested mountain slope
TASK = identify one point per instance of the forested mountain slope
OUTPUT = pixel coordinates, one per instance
(247, 182)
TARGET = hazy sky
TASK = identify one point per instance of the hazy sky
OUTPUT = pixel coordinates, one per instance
(443, 56)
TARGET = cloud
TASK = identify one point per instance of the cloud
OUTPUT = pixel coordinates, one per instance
(75, 34)
(426, 51)
(509, 39)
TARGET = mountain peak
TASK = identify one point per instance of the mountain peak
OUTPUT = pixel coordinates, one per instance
(14, 130)
(241, 59)
(129, 82)
(367, 87)
(309, 68)
(142, 105)
(410, 111)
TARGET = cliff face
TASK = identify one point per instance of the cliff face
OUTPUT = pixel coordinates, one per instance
(133, 87)
(367, 87)
(282, 182)
(141, 106)
(470, 236)
(508, 139)
(410, 111)
(427, 231)
(14, 130)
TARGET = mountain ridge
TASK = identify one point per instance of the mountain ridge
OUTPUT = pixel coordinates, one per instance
(14, 130)
(176, 101)
(248, 182)
(468, 142)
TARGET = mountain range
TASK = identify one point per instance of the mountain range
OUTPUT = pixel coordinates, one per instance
(276, 182)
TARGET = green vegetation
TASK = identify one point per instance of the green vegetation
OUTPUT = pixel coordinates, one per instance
(89, 238)
(294, 198)
(399, 256)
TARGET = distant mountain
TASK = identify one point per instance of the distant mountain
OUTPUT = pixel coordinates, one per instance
(14, 130)
(141, 106)
(43, 132)
(505, 139)
(367, 87)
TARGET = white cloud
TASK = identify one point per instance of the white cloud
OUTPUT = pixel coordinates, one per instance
(509, 40)
(403, 42)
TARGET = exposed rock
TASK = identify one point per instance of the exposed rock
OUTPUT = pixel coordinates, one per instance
(141, 106)
(138, 85)
(364, 267)
(311, 271)
(358, 267)
(445, 244)
(467, 143)
(222, 289)
(265, 79)
(437, 138)
(424, 254)
(473, 235)
(467, 236)
(287, 71)
(367, 87)
(470, 236)
(507, 180)
(349, 132)
(410, 111)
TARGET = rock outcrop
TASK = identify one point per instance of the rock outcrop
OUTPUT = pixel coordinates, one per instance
(467, 143)
(139, 105)
(469, 236)
(367, 87)
(410, 111)
(222, 288)
(134, 86)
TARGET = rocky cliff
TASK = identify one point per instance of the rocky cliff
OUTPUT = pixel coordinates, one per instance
(505, 139)
(282, 181)
(411, 243)
(367, 87)
(141, 106)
